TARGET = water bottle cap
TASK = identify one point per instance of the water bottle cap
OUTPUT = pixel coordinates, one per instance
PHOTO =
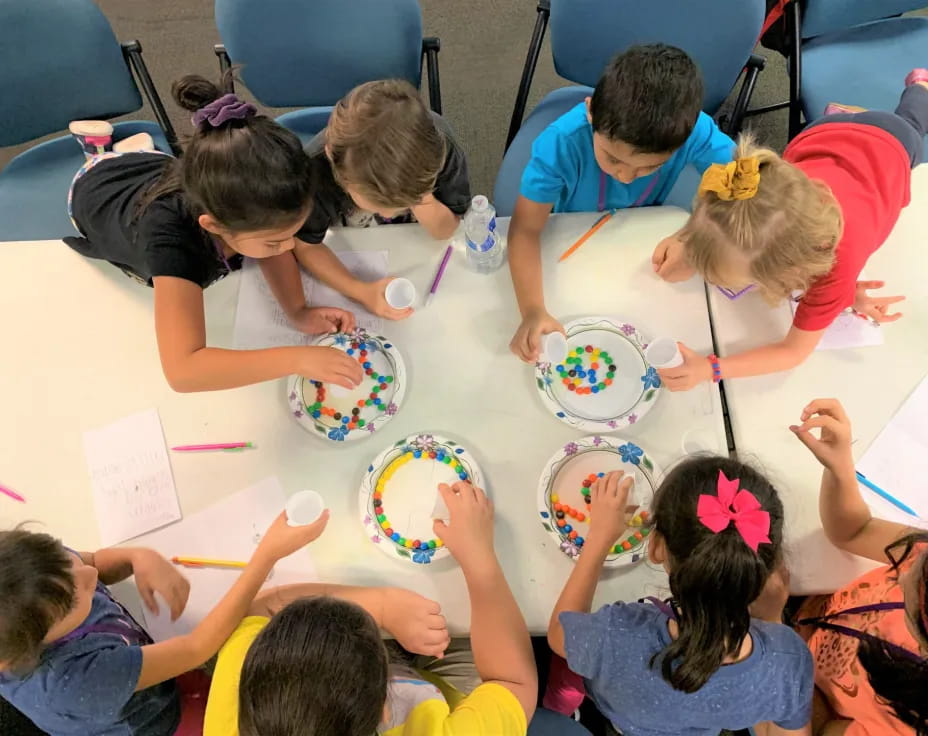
(479, 203)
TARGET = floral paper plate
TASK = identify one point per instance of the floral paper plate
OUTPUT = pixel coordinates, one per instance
(399, 490)
(621, 388)
(563, 483)
(352, 415)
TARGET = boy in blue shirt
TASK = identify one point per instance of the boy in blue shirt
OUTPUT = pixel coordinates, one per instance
(623, 147)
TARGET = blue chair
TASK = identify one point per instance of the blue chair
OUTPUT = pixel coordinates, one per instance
(586, 34)
(309, 54)
(851, 51)
(547, 723)
(59, 61)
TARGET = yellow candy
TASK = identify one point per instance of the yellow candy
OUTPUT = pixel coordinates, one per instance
(408, 543)
(636, 521)
(438, 543)
(555, 498)
(385, 524)
(409, 456)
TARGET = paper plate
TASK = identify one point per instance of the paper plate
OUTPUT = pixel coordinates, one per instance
(379, 400)
(411, 470)
(564, 476)
(609, 403)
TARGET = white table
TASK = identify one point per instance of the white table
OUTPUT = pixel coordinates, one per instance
(871, 383)
(79, 352)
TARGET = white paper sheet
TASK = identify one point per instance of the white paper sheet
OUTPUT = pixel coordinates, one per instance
(897, 461)
(133, 489)
(849, 330)
(228, 530)
(261, 323)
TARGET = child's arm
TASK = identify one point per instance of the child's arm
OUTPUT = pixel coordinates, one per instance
(436, 217)
(609, 498)
(168, 659)
(189, 365)
(499, 638)
(283, 276)
(321, 262)
(669, 259)
(790, 352)
(528, 221)
(413, 620)
(845, 515)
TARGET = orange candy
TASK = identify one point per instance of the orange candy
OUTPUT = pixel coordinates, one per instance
(558, 507)
(608, 381)
(561, 522)
(626, 545)
(581, 516)
(572, 535)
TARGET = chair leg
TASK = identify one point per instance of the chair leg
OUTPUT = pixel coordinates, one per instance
(528, 71)
(752, 71)
(132, 51)
(225, 68)
(430, 48)
(795, 69)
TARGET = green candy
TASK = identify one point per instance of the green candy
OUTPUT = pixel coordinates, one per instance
(610, 374)
(579, 351)
(376, 389)
(431, 544)
(388, 379)
(361, 422)
(381, 407)
(602, 386)
(381, 517)
(375, 376)
(616, 549)
(368, 402)
(447, 460)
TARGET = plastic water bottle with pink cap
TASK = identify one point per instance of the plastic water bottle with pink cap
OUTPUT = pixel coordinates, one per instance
(485, 249)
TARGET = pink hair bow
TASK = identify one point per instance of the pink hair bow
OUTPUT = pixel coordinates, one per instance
(738, 506)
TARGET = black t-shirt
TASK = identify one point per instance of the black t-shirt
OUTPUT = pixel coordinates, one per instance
(332, 205)
(162, 240)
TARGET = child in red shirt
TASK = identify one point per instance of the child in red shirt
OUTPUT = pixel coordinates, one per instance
(805, 222)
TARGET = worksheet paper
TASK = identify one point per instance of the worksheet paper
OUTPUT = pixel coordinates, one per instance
(228, 530)
(849, 330)
(261, 323)
(133, 489)
(897, 461)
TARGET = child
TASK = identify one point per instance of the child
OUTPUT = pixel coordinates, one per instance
(75, 661)
(806, 222)
(871, 664)
(702, 664)
(624, 147)
(242, 187)
(319, 665)
(383, 155)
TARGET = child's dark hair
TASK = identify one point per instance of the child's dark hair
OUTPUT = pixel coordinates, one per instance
(36, 591)
(713, 577)
(319, 667)
(249, 173)
(899, 681)
(648, 97)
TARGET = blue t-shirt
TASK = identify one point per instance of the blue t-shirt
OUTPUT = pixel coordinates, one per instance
(563, 169)
(85, 685)
(612, 649)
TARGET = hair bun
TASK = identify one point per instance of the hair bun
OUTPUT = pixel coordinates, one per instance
(192, 92)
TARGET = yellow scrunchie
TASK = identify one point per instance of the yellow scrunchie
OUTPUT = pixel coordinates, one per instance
(737, 179)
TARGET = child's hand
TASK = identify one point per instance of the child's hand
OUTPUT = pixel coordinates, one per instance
(526, 343)
(323, 320)
(416, 622)
(374, 299)
(694, 369)
(281, 539)
(875, 307)
(469, 533)
(154, 574)
(608, 509)
(330, 365)
(833, 448)
(669, 260)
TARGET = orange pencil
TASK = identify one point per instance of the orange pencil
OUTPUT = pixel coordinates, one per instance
(586, 236)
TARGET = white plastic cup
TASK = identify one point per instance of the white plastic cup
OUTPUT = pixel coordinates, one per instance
(554, 347)
(304, 508)
(400, 293)
(664, 353)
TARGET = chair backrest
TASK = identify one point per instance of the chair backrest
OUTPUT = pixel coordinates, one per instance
(823, 16)
(718, 34)
(59, 61)
(304, 53)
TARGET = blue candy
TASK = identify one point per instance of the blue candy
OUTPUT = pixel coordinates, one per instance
(350, 351)
(595, 389)
(567, 528)
(378, 402)
(600, 475)
(417, 454)
(367, 364)
(317, 414)
(579, 541)
(462, 476)
(395, 536)
(345, 420)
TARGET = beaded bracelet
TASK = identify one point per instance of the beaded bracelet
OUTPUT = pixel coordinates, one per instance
(716, 368)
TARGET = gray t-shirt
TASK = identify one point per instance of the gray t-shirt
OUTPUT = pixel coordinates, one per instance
(332, 205)
(612, 649)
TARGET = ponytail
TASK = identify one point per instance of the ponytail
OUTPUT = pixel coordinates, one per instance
(714, 576)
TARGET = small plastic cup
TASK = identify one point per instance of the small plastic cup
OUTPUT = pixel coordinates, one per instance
(554, 347)
(304, 508)
(663, 353)
(400, 293)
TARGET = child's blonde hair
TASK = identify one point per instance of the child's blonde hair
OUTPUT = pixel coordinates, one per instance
(786, 224)
(384, 144)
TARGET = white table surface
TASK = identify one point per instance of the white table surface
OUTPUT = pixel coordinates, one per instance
(871, 382)
(79, 352)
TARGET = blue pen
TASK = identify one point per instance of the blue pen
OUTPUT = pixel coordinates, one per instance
(862, 479)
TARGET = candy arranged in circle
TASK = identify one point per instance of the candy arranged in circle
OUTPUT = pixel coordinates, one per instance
(605, 384)
(341, 415)
(398, 494)
(564, 493)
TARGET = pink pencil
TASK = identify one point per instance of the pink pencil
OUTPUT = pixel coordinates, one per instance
(12, 494)
(219, 446)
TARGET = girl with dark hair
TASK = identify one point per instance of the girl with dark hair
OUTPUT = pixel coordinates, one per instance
(869, 639)
(243, 187)
(700, 664)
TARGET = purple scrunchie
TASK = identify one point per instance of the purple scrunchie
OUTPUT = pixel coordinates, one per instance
(228, 107)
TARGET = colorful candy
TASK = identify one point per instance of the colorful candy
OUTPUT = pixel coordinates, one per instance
(587, 380)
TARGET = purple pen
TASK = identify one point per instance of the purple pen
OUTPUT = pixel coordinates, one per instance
(439, 274)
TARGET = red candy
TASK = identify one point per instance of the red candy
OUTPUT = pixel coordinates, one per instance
(589, 348)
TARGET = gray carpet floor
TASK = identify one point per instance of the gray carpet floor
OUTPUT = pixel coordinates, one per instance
(483, 50)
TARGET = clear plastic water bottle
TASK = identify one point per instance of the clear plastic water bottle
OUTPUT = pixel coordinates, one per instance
(485, 249)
